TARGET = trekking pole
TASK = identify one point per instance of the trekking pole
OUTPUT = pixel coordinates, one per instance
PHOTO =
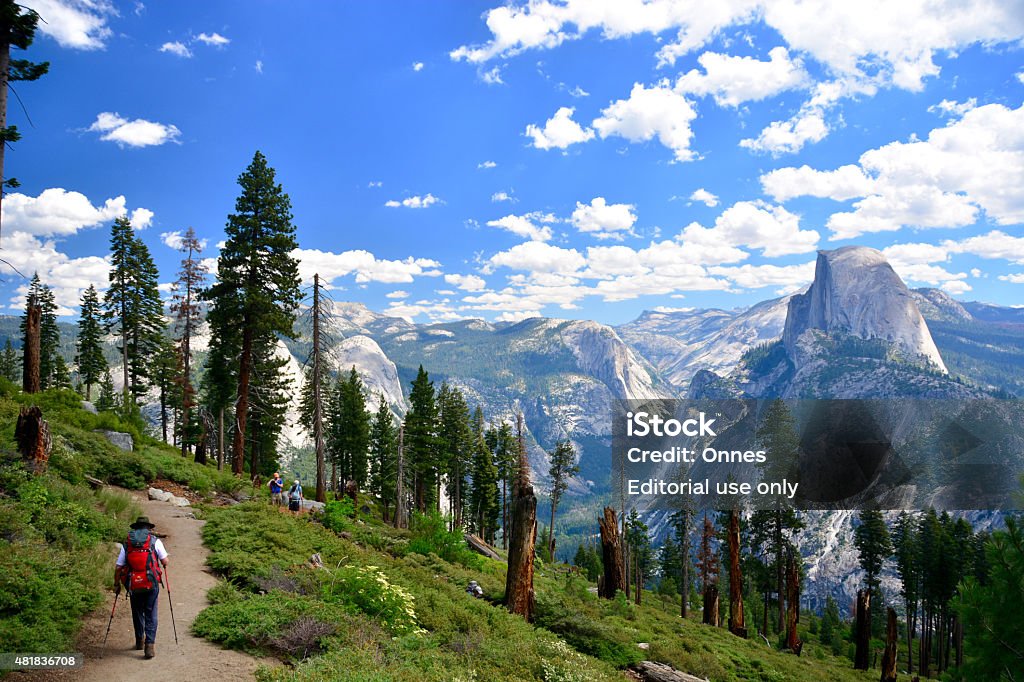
(117, 597)
(167, 584)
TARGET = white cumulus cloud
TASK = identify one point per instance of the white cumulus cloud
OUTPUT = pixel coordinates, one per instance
(705, 197)
(133, 133)
(559, 131)
(215, 39)
(755, 225)
(57, 212)
(414, 202)
(77, 24)
(649, 113)
(733, 80)
(176, 48)
(604, 220)
(523, 226)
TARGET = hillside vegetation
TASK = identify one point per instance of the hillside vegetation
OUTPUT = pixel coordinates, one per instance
(380, 609)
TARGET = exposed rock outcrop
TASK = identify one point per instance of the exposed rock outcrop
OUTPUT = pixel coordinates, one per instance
(856, 292)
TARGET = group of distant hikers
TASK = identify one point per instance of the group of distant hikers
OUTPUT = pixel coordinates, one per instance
(277, 494)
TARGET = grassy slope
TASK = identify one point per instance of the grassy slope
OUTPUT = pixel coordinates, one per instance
(272, 602)
(55, 560)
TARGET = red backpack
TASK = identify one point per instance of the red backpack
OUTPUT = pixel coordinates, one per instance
(141, 560)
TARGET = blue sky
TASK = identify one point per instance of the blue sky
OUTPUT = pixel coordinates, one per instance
(566, 158)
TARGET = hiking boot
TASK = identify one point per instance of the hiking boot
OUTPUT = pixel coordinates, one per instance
(138, 644)
(150, 653)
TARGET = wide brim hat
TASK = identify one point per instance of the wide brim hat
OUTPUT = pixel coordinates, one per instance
(142, 521)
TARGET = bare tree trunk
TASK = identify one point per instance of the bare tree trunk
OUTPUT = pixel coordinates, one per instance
(780, 579)
(220, 439)
(318, 417)
(862, 657)
(889, 657)
(401, 520)
(611, 552)
(684, 581)
(31, 351)
(736, 623)
(242, 404)
(504, 513)
(519, 595)
(958, 641)
(32, 434)
(711, 605)
(793, 642)
(5, 65)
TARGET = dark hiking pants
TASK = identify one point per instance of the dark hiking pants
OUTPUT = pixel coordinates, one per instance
(144, 613)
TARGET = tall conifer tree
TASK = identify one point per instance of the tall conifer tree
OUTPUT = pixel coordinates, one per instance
(186, 309)
(92, 365)
(257, 288)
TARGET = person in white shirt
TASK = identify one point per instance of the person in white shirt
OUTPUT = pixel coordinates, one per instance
(139, 567)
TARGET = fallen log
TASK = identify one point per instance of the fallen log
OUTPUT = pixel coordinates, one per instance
(649, 671)
(480, 547)
(95, 483)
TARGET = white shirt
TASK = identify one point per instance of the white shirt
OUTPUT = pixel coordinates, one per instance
(158, 547)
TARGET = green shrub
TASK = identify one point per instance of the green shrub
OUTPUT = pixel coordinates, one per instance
(431, 535)
(369, 591)
(338, 515)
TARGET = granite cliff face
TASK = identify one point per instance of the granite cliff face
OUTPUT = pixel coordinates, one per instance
(856, 292)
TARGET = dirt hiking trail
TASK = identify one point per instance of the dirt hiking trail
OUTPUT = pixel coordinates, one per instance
(193, 658)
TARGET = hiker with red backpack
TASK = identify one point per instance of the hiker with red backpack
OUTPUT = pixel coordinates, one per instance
(140, 566)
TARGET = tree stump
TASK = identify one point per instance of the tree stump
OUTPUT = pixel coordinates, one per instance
(862, 630)
(793, 642)
(736, 623)
(32, 434)
(519, 596)
(889, 657)
(614, 577)
(711, 605)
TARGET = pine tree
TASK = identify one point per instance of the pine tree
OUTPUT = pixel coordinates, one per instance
(257, 288)
(905, 548)
(682, 522)
(502, 443)
(484, 496)
(457, 445)
(9, 361)
(348, 430)
(640, 547)
(132, 308)
(383, 455)
(219, 381)
(778, 438)
(871, 538)
(990, 610)
(53, 372)
(268, 407)
(186, 310)
(421, 441)
(107, 400)
(563, 468)
(166, 378)
(17, 30)
(92, 365)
